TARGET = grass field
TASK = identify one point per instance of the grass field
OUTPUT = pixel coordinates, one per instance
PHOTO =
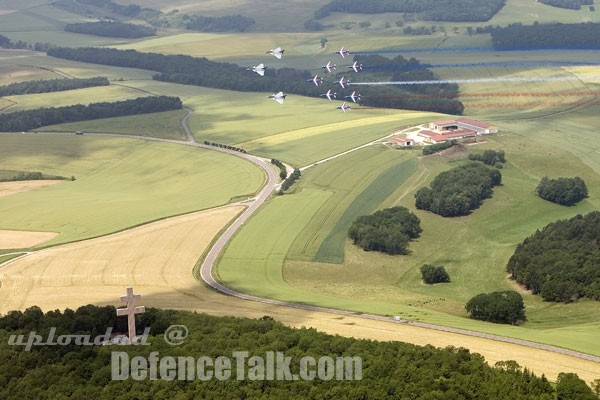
(119, 183)
(165, 124)
(8, 188)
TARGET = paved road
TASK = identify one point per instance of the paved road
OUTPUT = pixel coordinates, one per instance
(272, 182)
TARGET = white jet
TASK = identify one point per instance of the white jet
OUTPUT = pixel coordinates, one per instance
(316, 80)
(329, 95)
(356, 66)
(343, 82)
(259, 69)
(277, 52)
(329, 67)
(344, 107)
(278, 97)
(354, 97)
(342, 52)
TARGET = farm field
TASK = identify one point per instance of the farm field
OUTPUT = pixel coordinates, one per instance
(8, 188)
(178, 243)
(119, 183)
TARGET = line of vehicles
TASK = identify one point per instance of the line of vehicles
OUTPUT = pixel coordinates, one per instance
(317, 80)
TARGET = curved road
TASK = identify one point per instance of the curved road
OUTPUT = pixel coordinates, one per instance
(271, 184)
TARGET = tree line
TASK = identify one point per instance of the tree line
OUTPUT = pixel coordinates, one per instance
(389, 230)
(281, 166)
(490, 157)
(568, 4)
(6, 43)
(563, 191)
(32, 119)
(289, 181)
(111, 29)
(458, 191)
(428, 10)
(228, 23)
(184, 69)
(51, 85)
(390, 369)
(560, 262)
(225, 146)
(547, 36)
(33, 176)
(437, 147)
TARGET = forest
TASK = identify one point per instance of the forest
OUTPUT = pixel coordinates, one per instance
(32, 119)
(499, 307)
(51, 85)
(568, 4)
(458, 191)
(184, 69)
(391, 370)
(563, 191)
(561, 262)
(389, 230)
(428, 10)
(547, 36)
(111, 29)
(227, 23)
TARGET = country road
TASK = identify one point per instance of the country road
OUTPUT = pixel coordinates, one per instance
(252, 206)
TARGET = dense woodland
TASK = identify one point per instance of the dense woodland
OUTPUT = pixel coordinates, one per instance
(228, 23)
(52, 85)
(32, 119)
(32, 176)
(111, 29)
(562, 261)
(563, 191)
(428, 10)
(391, 370)
(499, 307)
(547, 36)
(389, 230)
(568, 4)
(458, 191)
(184, 69)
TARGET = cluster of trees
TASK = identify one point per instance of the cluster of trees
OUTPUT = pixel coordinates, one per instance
(490, 157)
(6, 43)
(390, 369)
(33, 119)
(228, 23)
(458, 191)
(289, 181)
(436, 148)
(100, 7)
(563, 191)
(560, 262)
(547, 36)
(224, 146)
(282, 168)
(32, 176)
(428, 10)
(52, 85)
(389, 230)
(432, 274)
(184, 69)
(568, 4)
(499, 307)
(111, 29)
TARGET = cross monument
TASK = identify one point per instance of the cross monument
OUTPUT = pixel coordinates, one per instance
(130, 311)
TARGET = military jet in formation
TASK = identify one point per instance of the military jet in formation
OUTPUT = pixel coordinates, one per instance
(277, 52)
(356, 66)
(344, 107)
(329, 95)
(342, 52)
(354, 97)
(329, 67)
(259, 69)
(278, 97)
(316, 80)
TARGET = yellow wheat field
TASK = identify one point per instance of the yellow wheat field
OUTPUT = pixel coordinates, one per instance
(8, 188)
(157, 260)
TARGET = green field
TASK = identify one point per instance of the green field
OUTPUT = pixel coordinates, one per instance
(119, 183)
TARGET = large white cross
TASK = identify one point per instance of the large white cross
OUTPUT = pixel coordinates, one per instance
(130, 311)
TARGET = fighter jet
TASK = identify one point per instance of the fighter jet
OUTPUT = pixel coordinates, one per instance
(354, 97)
(343, 82)
(330, 96)
(342, 52)
(344, 107)
(278, 97)
(329, 67)
(259, 69)
(316, 80)
(277, 52)
(356, 66)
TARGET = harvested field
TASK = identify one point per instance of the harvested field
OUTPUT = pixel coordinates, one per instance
(23, 239)
(8, 188)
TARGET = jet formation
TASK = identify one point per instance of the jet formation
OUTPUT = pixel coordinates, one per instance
(317, 80)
